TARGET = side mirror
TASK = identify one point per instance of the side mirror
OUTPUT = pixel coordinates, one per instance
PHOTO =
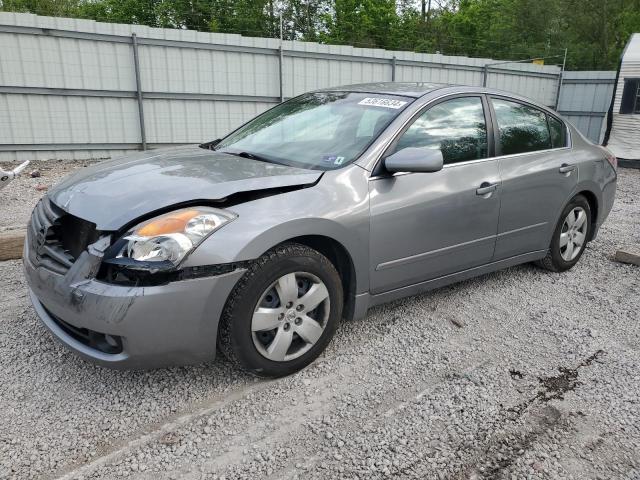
(415, 160)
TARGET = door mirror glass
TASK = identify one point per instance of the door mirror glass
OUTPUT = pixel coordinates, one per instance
(415, 160)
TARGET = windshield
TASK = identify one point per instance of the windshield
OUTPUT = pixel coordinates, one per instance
(322, 130)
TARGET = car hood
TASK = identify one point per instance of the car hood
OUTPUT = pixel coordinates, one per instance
(113, 193)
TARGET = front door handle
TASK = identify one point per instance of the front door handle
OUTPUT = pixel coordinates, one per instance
(486, 189)
(566, 168)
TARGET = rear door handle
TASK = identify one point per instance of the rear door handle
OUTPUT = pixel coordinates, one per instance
(566, 168)
(486, 188)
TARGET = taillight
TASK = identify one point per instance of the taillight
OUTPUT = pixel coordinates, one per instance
(611, 158)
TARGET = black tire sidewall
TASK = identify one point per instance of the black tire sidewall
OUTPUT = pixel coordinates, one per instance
(247, 297)
(558, 262)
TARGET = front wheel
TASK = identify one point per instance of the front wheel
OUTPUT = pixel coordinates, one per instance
(283, 312)
(570, 236)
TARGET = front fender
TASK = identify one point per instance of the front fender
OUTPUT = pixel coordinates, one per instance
(337, 207)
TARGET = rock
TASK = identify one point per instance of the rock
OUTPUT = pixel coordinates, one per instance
(629, 254)
(457, 322)
(538, 466)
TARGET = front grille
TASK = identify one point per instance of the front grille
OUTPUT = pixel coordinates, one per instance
(56, 238)
(105, 343)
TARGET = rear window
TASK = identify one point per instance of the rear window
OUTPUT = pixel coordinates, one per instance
(557, 131)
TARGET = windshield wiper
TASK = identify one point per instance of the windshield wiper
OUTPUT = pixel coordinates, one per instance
(250, 155)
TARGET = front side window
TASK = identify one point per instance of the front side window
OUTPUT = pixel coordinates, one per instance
(522, 128)
(457, 127)
(322, 130)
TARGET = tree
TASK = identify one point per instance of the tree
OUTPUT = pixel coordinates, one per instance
(593, 31)
(140, 12)
(305, 19)
(362, 23)
(54, 8)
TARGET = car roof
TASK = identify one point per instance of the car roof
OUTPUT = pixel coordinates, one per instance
(407, 89)
(421, 89)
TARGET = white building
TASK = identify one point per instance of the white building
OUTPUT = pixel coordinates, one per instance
(623, 131)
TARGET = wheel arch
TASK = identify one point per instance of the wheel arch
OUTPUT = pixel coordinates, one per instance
(340, 257)
(592, 199)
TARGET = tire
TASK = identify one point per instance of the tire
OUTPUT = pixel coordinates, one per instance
(246, 336)
(558, 258)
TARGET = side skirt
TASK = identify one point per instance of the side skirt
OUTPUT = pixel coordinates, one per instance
(364, 301)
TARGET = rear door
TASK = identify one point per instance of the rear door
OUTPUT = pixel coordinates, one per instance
(538, 174)
(427, 225)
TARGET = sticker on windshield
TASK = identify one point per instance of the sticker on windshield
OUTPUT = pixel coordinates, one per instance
(382, 102)
(335, 159)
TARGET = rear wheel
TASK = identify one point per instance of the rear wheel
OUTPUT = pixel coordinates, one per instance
(283, 312)
(570, 236)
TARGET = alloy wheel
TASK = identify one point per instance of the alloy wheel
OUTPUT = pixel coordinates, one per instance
(290, 316)
(573, 234)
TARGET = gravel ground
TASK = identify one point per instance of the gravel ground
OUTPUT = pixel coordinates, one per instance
(18, 199)
(517, 374)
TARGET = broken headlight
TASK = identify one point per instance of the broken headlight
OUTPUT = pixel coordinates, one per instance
(164, 241)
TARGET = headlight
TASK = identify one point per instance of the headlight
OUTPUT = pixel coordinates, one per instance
(167, 239)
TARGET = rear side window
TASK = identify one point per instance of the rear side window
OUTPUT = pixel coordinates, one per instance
(522, 128)
(457, 127)
(557, 131)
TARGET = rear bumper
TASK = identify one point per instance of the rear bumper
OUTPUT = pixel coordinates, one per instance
(608, 198)
(157, 326)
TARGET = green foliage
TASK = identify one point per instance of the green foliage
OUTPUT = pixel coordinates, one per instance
(593, 31)
(54, 8)
(361, 22)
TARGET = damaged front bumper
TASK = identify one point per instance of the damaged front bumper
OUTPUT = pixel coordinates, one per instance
(126, 326)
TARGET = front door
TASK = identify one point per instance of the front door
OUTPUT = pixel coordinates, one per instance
(427, 225)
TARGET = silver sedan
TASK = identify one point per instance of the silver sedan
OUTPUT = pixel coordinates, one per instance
(314, 211)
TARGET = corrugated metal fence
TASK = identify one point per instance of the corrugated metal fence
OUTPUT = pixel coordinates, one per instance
(80, 89)
(584, 100)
